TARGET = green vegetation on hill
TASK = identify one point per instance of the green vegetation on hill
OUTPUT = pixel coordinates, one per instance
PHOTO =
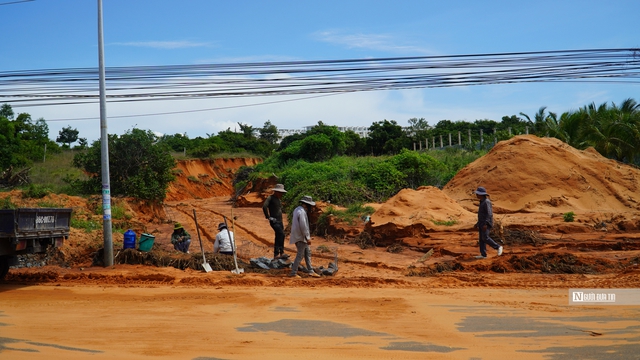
(345, 180)
(323, 162)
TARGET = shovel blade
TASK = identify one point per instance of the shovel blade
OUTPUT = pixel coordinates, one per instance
(207, 267)
(237, 271)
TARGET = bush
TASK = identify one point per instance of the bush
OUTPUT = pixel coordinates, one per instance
(35, 191)
(345, 181)
(568, 216)
(139, 167)
(5, 203)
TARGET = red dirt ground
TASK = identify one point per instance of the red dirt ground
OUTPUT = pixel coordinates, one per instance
(425, 237)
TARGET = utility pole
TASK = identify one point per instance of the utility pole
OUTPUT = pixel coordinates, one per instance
(104, 148)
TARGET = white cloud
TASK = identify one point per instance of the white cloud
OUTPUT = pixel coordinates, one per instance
(378, 42)
(164, 44)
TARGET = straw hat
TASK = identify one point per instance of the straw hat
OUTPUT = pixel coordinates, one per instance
(279, 188)
(307, 200)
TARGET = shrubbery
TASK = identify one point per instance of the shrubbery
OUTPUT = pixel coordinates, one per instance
(345, 181)
(138, 166)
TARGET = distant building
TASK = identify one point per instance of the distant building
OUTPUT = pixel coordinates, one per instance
(362, 131)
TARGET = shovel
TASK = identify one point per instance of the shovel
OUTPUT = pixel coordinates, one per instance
(205, 264)
(233, 247)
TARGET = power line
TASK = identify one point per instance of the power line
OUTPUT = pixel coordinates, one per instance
(176, 82)
(194, 111)
(15, 2)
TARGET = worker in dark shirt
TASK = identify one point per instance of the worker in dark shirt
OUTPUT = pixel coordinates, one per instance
(272, 209)
(485, 223)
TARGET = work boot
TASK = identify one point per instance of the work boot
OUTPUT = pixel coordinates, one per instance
(314, 274)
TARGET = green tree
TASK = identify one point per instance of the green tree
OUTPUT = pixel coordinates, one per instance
(177, 142)
(82, 144)
(418, 129)
(247, 131)
(335, 136)
(316, 147)
(539, 123)
(269, 133)
(67, 136)
(354, 144)
(6, 111)
(139, 166)
(386, 137)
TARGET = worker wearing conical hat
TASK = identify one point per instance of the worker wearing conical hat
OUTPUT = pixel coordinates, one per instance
(272, 209)
(180, 238)
(485, 223)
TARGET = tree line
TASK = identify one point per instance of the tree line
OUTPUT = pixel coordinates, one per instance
(141, 163)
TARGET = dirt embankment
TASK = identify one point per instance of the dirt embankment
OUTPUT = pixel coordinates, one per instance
(201, 179)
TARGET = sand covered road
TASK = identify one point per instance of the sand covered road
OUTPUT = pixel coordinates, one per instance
(229, 322)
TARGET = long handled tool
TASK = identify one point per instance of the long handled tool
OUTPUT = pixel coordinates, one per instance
(205, 264)
(233, 247)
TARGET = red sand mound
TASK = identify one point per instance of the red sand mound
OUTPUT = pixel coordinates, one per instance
(532, 174)
(413, 212)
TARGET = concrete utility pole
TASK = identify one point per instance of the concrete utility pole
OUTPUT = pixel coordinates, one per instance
(104, 148)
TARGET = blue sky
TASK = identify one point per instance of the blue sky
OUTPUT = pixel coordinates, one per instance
(45, 34)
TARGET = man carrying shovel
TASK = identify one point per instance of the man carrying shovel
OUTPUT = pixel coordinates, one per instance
(301, 236)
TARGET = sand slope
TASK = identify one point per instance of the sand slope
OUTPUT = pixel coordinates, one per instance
(414, 212)
(532, 174)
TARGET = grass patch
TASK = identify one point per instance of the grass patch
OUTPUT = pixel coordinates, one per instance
(88, 225)
(57, 172)
(49, 204)
(118, 211)
(194, 179)
(445, 223)
(351, 215)
(6, 203)
(35, 191)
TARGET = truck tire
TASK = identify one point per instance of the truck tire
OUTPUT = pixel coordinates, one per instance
(4, 266)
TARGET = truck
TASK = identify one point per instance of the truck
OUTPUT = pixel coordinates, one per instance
(30, 231)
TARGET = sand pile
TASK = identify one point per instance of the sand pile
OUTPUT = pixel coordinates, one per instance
(532, 174)
(411, 213)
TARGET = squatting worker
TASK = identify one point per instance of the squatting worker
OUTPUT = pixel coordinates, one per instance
(180, 238)
(272, 209)
(225, 242)
(485, 223)
(301, 236)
